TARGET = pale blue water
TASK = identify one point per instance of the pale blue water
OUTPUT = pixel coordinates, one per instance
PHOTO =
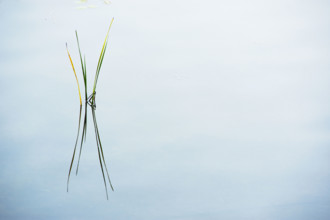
(206, 110)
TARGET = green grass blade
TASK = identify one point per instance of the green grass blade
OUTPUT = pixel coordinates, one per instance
(74, 151)
(101, 62)
(83, 137)
(75, 147)
(81, 60)
(83, 66)
(101, 149)
(85, 77)
(74, 71)
(84, 72)
(101, 57)
(99, 153)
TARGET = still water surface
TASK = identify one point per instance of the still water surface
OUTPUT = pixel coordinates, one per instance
(206, 109)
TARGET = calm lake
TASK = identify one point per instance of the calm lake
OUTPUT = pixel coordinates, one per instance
(206, 109)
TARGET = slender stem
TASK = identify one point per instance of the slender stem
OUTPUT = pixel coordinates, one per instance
(74, 71)
(99, 64)
(100, 146)
(74, 151)
(99, 153)
(83, 137)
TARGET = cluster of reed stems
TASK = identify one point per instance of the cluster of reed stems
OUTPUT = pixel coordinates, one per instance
(89, 101)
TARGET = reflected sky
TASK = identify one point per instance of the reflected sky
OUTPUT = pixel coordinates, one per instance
(206, 109)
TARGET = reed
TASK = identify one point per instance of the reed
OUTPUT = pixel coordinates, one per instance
(90, 101)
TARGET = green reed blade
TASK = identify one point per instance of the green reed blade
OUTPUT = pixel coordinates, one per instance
(83, 65)
(83, 137)
(84, 72)
(101, 57)
(75, 147)
(101, 149)
(74, 71)
(99, 153)
(74, 151)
